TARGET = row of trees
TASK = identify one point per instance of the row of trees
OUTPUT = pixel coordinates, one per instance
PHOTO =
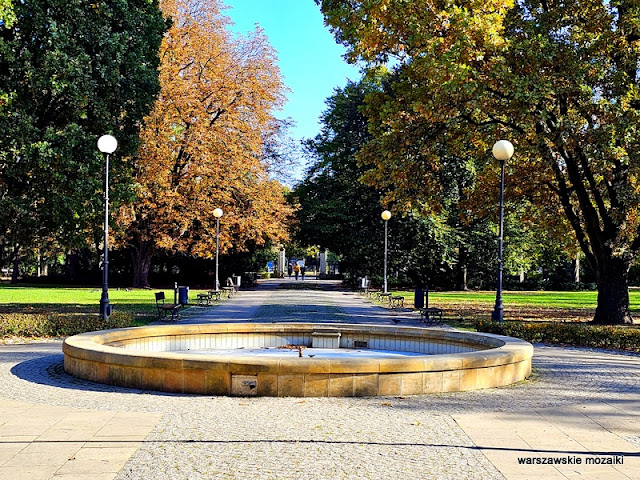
(453, 248)
(192, 109)
(191, 106)
(558, 79)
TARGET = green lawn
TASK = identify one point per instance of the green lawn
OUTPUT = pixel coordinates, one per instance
(37, 298)
(525, 305)
(463, 308)
(559, 300)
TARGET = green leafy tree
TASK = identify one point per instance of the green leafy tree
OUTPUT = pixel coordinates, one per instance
(7, 16)
(560, 79)
(340, 213)
(336, 211)
(70, 71)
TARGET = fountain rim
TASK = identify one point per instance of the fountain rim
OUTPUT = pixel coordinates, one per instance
(102, 347)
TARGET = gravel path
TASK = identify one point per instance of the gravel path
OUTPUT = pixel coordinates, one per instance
(321, 438)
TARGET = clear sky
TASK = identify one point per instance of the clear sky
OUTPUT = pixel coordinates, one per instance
(309, 58)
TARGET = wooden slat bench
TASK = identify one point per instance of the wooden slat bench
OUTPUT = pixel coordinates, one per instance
(231, 288)
(396, 301)
(431, 315)
(205, 299)
(384, 296)
(165, 308)
(373, 291)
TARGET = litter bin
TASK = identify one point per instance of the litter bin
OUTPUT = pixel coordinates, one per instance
(183, 295)
(236, 280)
(418, 301)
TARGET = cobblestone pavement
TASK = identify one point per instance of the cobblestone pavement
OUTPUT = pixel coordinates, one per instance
(426, 436)
(295, 301)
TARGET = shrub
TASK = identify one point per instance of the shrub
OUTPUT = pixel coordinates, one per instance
(597, 336)
(59, 324)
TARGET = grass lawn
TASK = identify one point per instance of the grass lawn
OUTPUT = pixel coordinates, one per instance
(465, 307)
(38, 298)
(461, 308)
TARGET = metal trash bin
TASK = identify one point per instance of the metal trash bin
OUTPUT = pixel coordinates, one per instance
(183, 295)
(418, 301)
(236, 280)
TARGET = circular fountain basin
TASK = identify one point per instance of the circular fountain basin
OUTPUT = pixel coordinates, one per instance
(313, 359)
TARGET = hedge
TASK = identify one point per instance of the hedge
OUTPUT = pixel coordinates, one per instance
(58, 324)
(597, 336)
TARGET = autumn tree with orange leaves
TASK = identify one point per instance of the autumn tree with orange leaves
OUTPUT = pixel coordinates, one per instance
(203, 145)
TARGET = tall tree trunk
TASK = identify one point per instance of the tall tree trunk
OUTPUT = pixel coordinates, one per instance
(590, 207)
(462, 268)
(613, 292)
(16, 266)
(576, 271)
(142, 254)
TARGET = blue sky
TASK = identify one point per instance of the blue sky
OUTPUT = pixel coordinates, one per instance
(309, 58)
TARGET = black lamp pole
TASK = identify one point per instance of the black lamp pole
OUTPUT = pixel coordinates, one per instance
(386, 215)
(498, 311)
(502, 151)
(217, 213)
(106, 144)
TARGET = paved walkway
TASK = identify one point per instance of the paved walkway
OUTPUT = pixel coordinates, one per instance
(580, 405)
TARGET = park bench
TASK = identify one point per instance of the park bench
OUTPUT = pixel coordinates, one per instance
(205, 299)
(384, 296)
(165, 308)
(230, 289)
(431, 315)
(396, 301)
(371, 292)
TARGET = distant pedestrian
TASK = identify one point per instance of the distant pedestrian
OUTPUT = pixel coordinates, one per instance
(296, 270)
(290, 270)
(303, 270)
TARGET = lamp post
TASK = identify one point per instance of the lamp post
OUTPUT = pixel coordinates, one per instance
(106, 144)
(502, 151)
(217, 213)
(386, 215)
